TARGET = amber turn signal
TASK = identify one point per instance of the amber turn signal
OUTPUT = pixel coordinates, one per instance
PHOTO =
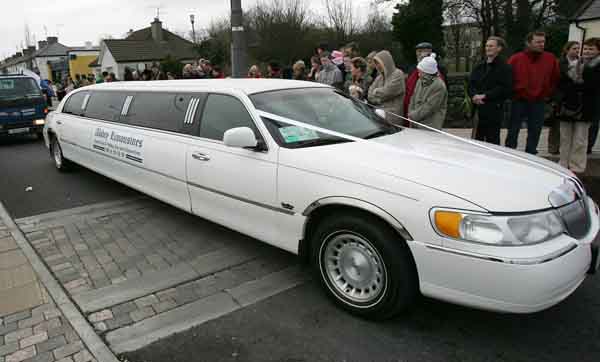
(448, 223)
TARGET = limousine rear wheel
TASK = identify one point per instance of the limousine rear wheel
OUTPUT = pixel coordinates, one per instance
(61, 163)
(364, 265)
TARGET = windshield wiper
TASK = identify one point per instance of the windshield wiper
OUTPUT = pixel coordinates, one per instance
(377, 134)
(380, 133)
(320, 142)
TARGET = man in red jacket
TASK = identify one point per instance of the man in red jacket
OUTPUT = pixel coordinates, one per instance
(535, 76)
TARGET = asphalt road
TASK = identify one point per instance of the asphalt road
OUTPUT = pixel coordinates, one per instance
(25, 162)
(301, 324)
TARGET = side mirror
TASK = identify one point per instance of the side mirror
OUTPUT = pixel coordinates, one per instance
(380, 112)
(240, 137)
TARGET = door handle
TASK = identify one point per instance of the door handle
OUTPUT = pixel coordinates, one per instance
(58, 122)
(200, 156)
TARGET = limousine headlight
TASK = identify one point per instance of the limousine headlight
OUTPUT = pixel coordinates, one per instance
(497, 230)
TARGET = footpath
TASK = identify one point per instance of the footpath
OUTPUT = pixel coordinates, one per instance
(38, 323)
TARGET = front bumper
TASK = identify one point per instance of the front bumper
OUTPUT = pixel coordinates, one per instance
(516, 284)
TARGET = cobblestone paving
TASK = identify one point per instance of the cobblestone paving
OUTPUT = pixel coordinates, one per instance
(86, 253)
(95, 252)
(142, 308)
(40, 334)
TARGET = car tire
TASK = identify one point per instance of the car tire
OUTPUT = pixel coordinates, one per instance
(39, 135)
(364, 265)
(61, 163)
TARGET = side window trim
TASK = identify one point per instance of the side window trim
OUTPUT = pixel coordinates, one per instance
(126, 105)
(85, 101)
(191, 111)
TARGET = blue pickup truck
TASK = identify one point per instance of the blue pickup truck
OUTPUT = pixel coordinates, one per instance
(22, 105)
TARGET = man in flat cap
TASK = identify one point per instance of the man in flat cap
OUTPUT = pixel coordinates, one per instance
(422, 50)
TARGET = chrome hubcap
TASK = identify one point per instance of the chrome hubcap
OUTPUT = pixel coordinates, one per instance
(354, 268)
(57, 155)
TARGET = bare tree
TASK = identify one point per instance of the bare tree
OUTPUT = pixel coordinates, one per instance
(341, 18)
(455, 33)
(282, 28)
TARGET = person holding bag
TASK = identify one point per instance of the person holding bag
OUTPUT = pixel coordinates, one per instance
(573, 126)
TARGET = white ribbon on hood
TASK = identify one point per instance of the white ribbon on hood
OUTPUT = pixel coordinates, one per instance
(378, 144)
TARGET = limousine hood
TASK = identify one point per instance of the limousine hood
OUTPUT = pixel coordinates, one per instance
(495, 181)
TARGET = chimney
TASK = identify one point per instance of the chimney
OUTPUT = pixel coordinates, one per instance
(157, 30)
(52, 39)
(18, 54)
(28, 52)
(42, 44)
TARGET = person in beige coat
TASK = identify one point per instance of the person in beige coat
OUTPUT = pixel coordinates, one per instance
(429, 103)
(387, 91)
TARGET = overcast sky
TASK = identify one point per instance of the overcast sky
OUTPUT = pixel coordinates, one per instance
(78, 21)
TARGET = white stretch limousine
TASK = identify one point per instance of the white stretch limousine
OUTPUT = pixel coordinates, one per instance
(382, 213)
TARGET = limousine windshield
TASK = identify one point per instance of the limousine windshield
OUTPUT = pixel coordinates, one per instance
(320, 107)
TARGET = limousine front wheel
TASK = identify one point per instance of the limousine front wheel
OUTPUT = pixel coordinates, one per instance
(61, 163)
(364, 265)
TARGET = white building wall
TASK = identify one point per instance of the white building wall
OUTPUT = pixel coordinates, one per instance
(592, 29)
(108, 63)
(42, 65)
(575, 34)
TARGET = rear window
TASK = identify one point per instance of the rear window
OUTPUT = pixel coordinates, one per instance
(163, 111)
(106, 106)
(11, 88)
(74, 104)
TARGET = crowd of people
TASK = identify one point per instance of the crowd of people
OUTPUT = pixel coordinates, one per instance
(530, 79)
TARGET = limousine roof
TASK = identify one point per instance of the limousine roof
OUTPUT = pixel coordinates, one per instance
(248, 86)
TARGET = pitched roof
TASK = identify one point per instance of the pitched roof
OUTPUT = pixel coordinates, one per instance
(134, 50)
(53, 50)
(589, 11)
(140, 46)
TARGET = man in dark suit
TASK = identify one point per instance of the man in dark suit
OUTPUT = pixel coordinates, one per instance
(490, 86)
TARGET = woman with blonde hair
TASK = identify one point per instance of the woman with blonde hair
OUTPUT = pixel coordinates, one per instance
(299, 70)
(254, 72)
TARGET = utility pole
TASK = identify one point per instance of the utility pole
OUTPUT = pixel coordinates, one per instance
(193, 29)
(238, 44)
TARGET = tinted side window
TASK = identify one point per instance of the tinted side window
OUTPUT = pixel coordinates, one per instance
(158, 110)
(73, 105)
(105, 105)
(221, 113)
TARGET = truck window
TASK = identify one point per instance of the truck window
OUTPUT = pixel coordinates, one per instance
(13, 88)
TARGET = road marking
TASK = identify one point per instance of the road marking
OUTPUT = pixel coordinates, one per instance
(152, 282)
(142, 333)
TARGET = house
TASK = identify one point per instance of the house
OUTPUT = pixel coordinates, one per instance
(80, 59)
(51, 59)
(143, 48)
(585, 23)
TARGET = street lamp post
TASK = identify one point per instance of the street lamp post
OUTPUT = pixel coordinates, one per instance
(193, 30)
(238, 43)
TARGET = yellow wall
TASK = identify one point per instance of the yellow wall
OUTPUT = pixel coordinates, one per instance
(80, 65)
